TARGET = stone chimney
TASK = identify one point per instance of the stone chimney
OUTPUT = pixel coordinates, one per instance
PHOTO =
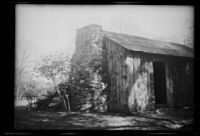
(88, 41)
(89, 52)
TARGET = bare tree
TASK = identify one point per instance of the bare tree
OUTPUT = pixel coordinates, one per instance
(30, 92)
(22, 63)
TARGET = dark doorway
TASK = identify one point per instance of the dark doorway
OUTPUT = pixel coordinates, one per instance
(159, 83)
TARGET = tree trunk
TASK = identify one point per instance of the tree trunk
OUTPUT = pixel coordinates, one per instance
(63, 99)
(68, 102)
(65, 105)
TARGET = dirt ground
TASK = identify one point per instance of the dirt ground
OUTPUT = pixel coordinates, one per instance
(160, 120)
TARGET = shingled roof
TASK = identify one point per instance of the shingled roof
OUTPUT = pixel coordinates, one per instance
(136, 43)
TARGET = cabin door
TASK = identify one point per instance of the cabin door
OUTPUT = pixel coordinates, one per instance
(159, 84)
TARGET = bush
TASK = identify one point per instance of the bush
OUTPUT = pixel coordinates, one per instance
(49, 101)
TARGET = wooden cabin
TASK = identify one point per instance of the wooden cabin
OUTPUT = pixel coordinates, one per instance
(146, 74)
(140, 74)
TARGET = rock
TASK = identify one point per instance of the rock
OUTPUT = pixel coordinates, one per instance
(56, 100)
(42, 97)
(158, 111)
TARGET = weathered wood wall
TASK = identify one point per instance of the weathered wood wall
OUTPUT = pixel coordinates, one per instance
(132, 79)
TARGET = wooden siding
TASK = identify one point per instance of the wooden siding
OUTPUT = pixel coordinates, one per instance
(132, 79)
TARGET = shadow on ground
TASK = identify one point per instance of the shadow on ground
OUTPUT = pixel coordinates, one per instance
(90, 121)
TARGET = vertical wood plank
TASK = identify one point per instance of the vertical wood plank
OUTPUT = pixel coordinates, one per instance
(117, 79)
(151, 76)
(131, 75)
(121, 93)
(119, 75)
(113, 82)
(111, 68)
(124, 94)
(168, 89)
(127, 89)
(148, 86)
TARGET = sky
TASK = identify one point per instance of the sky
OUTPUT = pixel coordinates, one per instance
(46, 29)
